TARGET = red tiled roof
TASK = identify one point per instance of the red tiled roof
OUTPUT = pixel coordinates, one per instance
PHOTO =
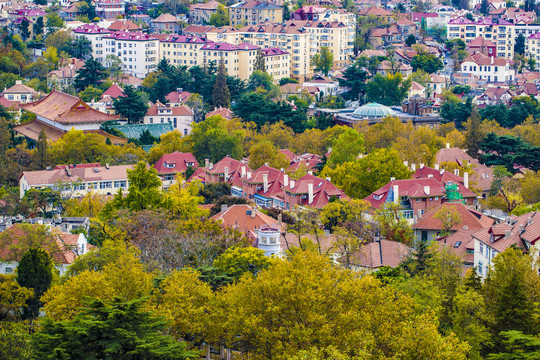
(80, 172)
(90, 29)
(322, 190)
(211, 5)
(470, 219)
(241, 217)
(181, 110)
(166, 18)
(66, 109)
(369, 256)
(124, 25)
(114, 92)
(177, 162)
(223, 112)
(374, 11)
(177, 97)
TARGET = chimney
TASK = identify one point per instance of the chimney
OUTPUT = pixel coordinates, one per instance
(491, 60)
(107, 166)
(285, 180)
(226, 173)
(206, 163)
(243, 171)
(310, 172)
(329, 150)
(396, 194)
(253, 212)
(430, 176)
(406, 163)
(266, 164)
(265, 183)
(507, 233)
(421, 166)
(249, 175)
(310, 193)
(68, 171)
(392, 179)
(18, 82)
(211, 165)
(413, 167)
(466, 179)
(427, 189)
(329, 179)
(456, 172)
(441, 172)
(280, 219)
(529, 220)
(437, 166)
(448, 145)
(293, 183)
(224, 207)
(521, 228)
(419, 213)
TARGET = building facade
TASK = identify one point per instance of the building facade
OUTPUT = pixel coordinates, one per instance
(254, 12)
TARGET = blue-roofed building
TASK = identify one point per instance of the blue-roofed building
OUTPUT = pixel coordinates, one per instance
(134, 131)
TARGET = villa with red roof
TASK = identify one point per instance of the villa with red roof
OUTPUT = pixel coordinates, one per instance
(178, 97)
(227, 170)
(310, 191)
(181, 117)
(166, 23)
(199, 13)
(19, 93)
(488, 68)
(169, 165)
(223, 112)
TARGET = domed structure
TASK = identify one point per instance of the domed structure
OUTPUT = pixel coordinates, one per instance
(373, 111)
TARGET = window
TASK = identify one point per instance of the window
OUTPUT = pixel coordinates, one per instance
(120, 184)
(481, 248)
(480, 268)
(169, 177)
(9, 270)
(105, 185)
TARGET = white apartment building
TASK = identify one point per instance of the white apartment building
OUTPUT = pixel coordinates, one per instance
(499, 31)
(138, 52)
(95, 34)
(487, 68)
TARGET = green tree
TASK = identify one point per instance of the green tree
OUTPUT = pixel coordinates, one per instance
(455, 111)
(388, 90)
(24, 28)
(484, 7)
(237, 261)
(108, 329)
(449, 218)
(15, 341)
(265, 152)
(259, 62)
(221, 95)
(220, 17)
(509, 151)
(354, 78)
(38, 26)
(346, 148)
(517, 346)
(131, 106)
(474, 134)
(519, 46)
(210, 139)
(323, 60)
(427, 62)
(144, 190)
(35, 271)
(512, 292)
(411, 40)
(54, 22)
(91, 93)
(79, 47)
(91, 74)
(261, 79)
(42, 156)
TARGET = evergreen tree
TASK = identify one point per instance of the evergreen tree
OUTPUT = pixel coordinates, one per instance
(110, 329)
(259, 62)
(42, 148)
(35, 271)
(38, 26)
(473, 136)
(519, 46)
(24, 28)
(131, 105)
(484, 7)
(92, 73)
(221, 95)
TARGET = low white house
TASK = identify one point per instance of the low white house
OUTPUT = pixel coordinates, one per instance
(77, 180)
(181, 117)
(488, 69)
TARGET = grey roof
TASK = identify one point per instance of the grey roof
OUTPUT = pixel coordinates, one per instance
(373, 111)
(134, 131)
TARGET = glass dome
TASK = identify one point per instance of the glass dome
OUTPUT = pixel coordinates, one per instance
(373, 111)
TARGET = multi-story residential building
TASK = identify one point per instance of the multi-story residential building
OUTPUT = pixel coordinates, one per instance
(319, 13)
(384, 16)
(532, 47)
(64, 76)
(254, 12)
(139, 52)
(488, 68)
(182, 50)
(277, 63)
(499, 31)
(200, 13)
(166, 23)
(94, 34)
(77, 180)
(301, 38)
(181, 117)
(110, 9)
(239, 60)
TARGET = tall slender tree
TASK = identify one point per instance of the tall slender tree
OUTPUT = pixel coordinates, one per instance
(42, 147)
(221, 95)
(259, 62)
(474, 135)
(35, 271)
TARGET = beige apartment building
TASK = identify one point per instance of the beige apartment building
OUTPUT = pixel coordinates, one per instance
(254, 12)
(182, 50)
(301, 38)
(499, 31)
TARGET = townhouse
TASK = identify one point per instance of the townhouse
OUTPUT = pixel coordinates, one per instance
(254, 12)
(200, 13)
(110, 9)
(488, 68)
(498, 31)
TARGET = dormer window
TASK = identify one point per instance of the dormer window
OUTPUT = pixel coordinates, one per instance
(376, 197)
(169, 166)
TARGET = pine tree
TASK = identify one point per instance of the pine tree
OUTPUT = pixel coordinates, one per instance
(221, 95)
(92, 73)
(131, 105)
(42, 148)
(111, 329)
(473, 136)
(35, 271)
(259, 62)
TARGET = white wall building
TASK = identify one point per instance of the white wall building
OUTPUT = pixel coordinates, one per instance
(181, 117)
(95, 34)
(487, 68)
